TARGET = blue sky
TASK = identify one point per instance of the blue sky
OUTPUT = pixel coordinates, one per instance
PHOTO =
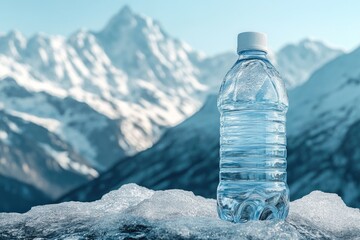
(210, 26)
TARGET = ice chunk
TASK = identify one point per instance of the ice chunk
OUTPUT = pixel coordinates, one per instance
(173, 204)
(134, 212)
(326, 212)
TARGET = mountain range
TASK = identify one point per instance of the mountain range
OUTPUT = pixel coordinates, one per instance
(72, 108)
(95, 98)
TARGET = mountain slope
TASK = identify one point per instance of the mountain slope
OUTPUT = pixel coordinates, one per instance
(324, 129)
(34, 155)
(296, 62)
(185, 157)
(323, 138)
(90, 133)
(18, 195)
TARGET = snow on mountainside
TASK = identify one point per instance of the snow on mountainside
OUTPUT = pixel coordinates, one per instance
(323, 139)
(186, 157)
(324, 129)
(296, 62)
(91, 134)
(99, 95)
(35, 155)
(114, 74)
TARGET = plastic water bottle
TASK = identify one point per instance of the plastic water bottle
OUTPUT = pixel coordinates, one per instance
(253, 103)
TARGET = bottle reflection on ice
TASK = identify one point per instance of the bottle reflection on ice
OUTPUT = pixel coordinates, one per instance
(253, 103)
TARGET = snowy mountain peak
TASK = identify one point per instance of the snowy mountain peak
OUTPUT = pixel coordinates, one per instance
(16, 35)
(315, 45)
(138, 45)
(81, 38)
(297, 61)
(12, 43)
(126, 12)
(310, 40)
(129, 25)
(126, 19)
(41, 40)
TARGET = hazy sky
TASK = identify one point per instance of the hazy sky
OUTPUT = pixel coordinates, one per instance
(207, 25)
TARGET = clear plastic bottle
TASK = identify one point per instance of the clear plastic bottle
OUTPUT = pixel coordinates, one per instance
(253, 103)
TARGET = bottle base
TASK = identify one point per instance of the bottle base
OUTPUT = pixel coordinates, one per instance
(254, 205)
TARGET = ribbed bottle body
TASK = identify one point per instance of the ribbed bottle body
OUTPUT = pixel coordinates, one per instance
(253, 163)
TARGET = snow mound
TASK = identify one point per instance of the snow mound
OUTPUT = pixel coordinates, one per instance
(135, 212)
(327, 212)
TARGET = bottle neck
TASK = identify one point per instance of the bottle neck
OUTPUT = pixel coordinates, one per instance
(249, 54)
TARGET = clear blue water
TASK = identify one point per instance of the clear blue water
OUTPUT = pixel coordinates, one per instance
(252, 143)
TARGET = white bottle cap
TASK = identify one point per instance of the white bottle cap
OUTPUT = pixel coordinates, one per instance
(252, 41)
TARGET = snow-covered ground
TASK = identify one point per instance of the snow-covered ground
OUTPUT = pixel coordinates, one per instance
(135, 212)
